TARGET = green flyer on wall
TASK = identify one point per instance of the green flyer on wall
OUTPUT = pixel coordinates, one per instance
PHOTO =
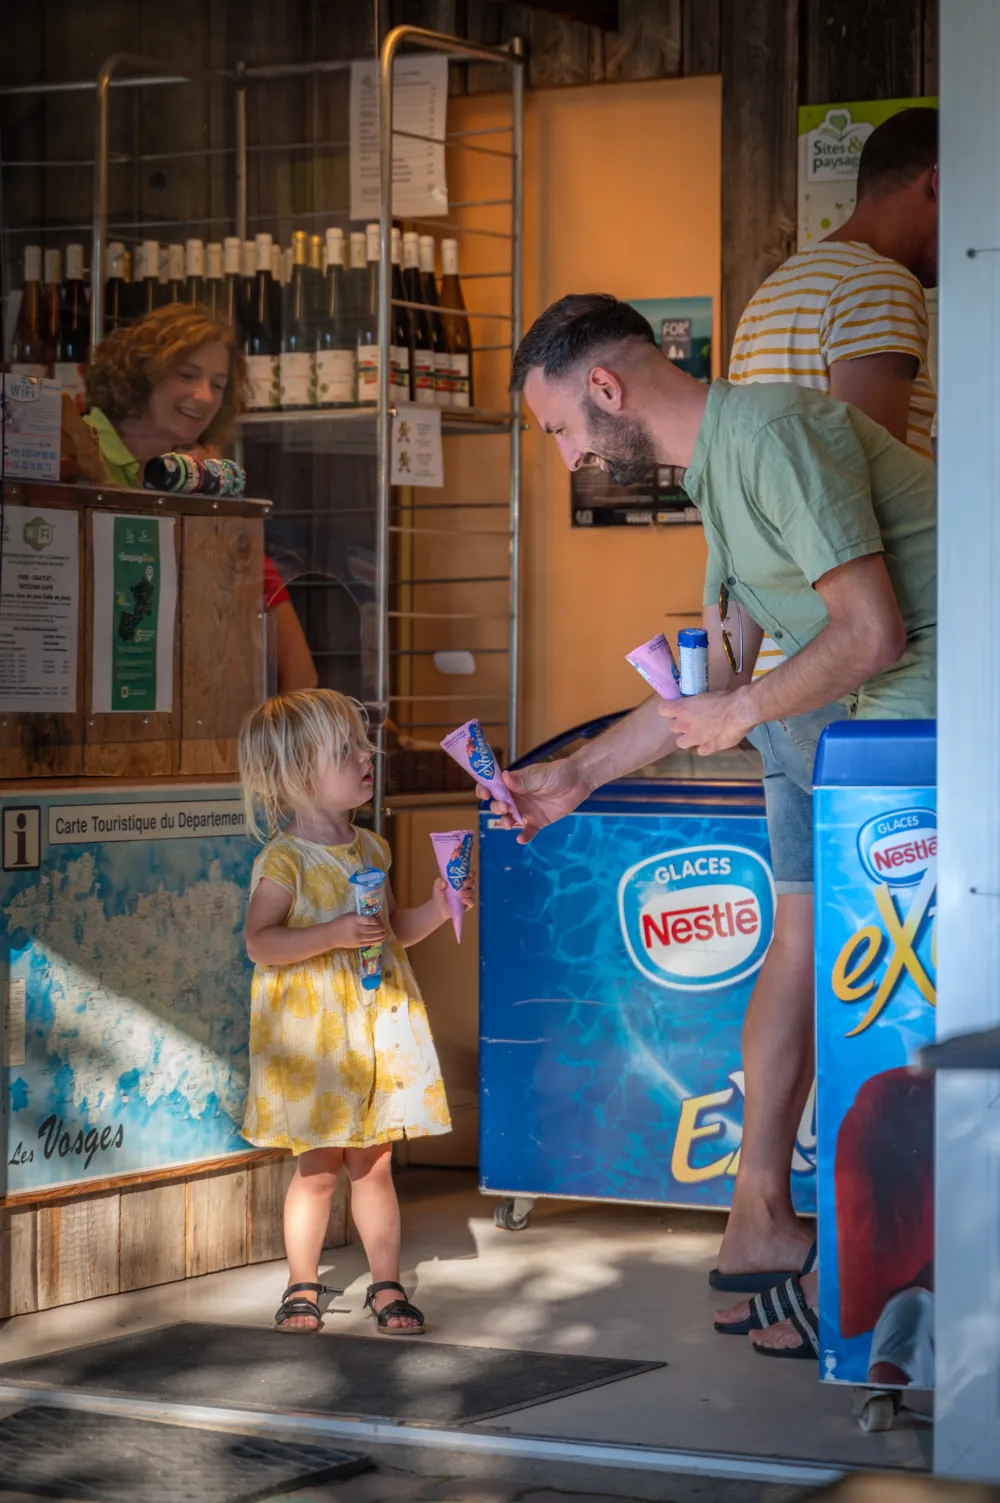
(135, 600)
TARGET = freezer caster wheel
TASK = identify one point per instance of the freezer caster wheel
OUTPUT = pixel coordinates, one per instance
(513, 1215)
(875, 1409)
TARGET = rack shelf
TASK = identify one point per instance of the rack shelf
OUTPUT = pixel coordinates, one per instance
(361, 423)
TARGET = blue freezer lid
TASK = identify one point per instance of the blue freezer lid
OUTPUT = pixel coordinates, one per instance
(877, 754)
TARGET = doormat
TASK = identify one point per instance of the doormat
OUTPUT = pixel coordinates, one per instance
(382, 1377)
(60, 1453)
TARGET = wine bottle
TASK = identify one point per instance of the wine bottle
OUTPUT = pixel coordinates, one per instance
(231, 306)
(355, 283)
(298, 339)
(335, 377)
(368, 324)
(249, 259)
(73, 347)
(278, 286)
(214, 288)
(194, 271)
(442, 360)
(50, 298)
(317, 268)
(262, 338)
(456, 326)
(146, 284)
(116, 290)
(401, 337)
(32, 353)
(422, 347)
(175, 274)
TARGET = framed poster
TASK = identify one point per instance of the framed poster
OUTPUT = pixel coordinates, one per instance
(683, 329)
(124, 981)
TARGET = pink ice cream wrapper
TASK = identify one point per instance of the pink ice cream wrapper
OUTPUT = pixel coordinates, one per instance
(453, 849)
(655, 661)
(471, 750)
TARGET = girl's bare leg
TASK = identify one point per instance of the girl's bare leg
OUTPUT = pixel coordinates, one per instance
(375, 1211)
(306, 1217)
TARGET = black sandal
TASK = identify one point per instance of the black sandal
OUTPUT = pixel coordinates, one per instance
(396, 1307)
(290, 1307)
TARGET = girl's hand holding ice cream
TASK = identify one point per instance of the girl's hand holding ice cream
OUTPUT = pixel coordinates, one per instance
(442, 897)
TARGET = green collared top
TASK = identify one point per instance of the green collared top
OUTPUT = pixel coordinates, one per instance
(790, 484)
(121, 465)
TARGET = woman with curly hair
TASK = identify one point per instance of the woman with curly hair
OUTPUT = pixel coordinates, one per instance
(175, 381)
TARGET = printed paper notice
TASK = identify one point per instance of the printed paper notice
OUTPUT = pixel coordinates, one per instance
(419, 108)
(39, 610)
(14, 1021)
(135, 606)
(416, 447)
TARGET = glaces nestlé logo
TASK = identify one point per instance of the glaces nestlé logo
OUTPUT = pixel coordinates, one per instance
(698, 918)
(898, 847)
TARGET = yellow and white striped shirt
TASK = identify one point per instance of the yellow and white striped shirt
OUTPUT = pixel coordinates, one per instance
(837, 300)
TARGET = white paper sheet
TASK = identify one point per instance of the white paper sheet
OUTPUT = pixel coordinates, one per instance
(416, 447)
(419, 106)
(39, 610)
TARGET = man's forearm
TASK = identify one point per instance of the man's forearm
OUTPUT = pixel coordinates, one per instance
(640, 738)
(834, 664)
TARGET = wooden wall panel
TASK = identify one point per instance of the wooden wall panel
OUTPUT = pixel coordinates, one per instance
(266, 1187)
(222, 636)
(151, 1236)
(760, 41)
(861, 49)
(216, 1223)
(22, 1289)
(929, 48)
(77, 1250)
(700, 48)
(647, 44)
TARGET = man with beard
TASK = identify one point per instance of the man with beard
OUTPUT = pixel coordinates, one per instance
(821, 531)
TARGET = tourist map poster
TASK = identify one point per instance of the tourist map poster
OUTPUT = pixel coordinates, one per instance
(124, 980)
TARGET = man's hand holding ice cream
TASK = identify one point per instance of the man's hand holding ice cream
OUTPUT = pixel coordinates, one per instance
(709, 723)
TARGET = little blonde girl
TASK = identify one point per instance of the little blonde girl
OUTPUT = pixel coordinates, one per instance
(337, 1073)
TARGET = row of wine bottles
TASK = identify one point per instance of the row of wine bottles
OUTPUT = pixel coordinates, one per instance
(307, 316)
(314, 341)
(52, 337)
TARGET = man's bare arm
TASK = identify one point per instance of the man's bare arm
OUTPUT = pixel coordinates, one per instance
(881, 386)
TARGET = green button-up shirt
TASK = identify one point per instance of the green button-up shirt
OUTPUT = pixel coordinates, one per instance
(121, 465)
(790, 484)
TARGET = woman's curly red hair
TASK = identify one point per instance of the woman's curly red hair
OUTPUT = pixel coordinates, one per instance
(129, 362)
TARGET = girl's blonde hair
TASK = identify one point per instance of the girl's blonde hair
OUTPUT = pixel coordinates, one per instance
(281, 746)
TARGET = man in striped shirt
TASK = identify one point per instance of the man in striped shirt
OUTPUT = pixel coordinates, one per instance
(846, 316)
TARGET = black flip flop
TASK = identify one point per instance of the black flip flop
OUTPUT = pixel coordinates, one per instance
(759, 1283)
(290, 1306)
(395, 1307)
(805, 1321)
(767, 1309)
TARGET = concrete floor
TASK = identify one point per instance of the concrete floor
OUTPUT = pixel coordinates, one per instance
(609, 1280)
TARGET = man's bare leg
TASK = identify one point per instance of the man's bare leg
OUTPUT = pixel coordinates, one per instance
(763, 1232)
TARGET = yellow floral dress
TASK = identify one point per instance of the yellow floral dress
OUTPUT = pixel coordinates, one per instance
(333, 1065)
